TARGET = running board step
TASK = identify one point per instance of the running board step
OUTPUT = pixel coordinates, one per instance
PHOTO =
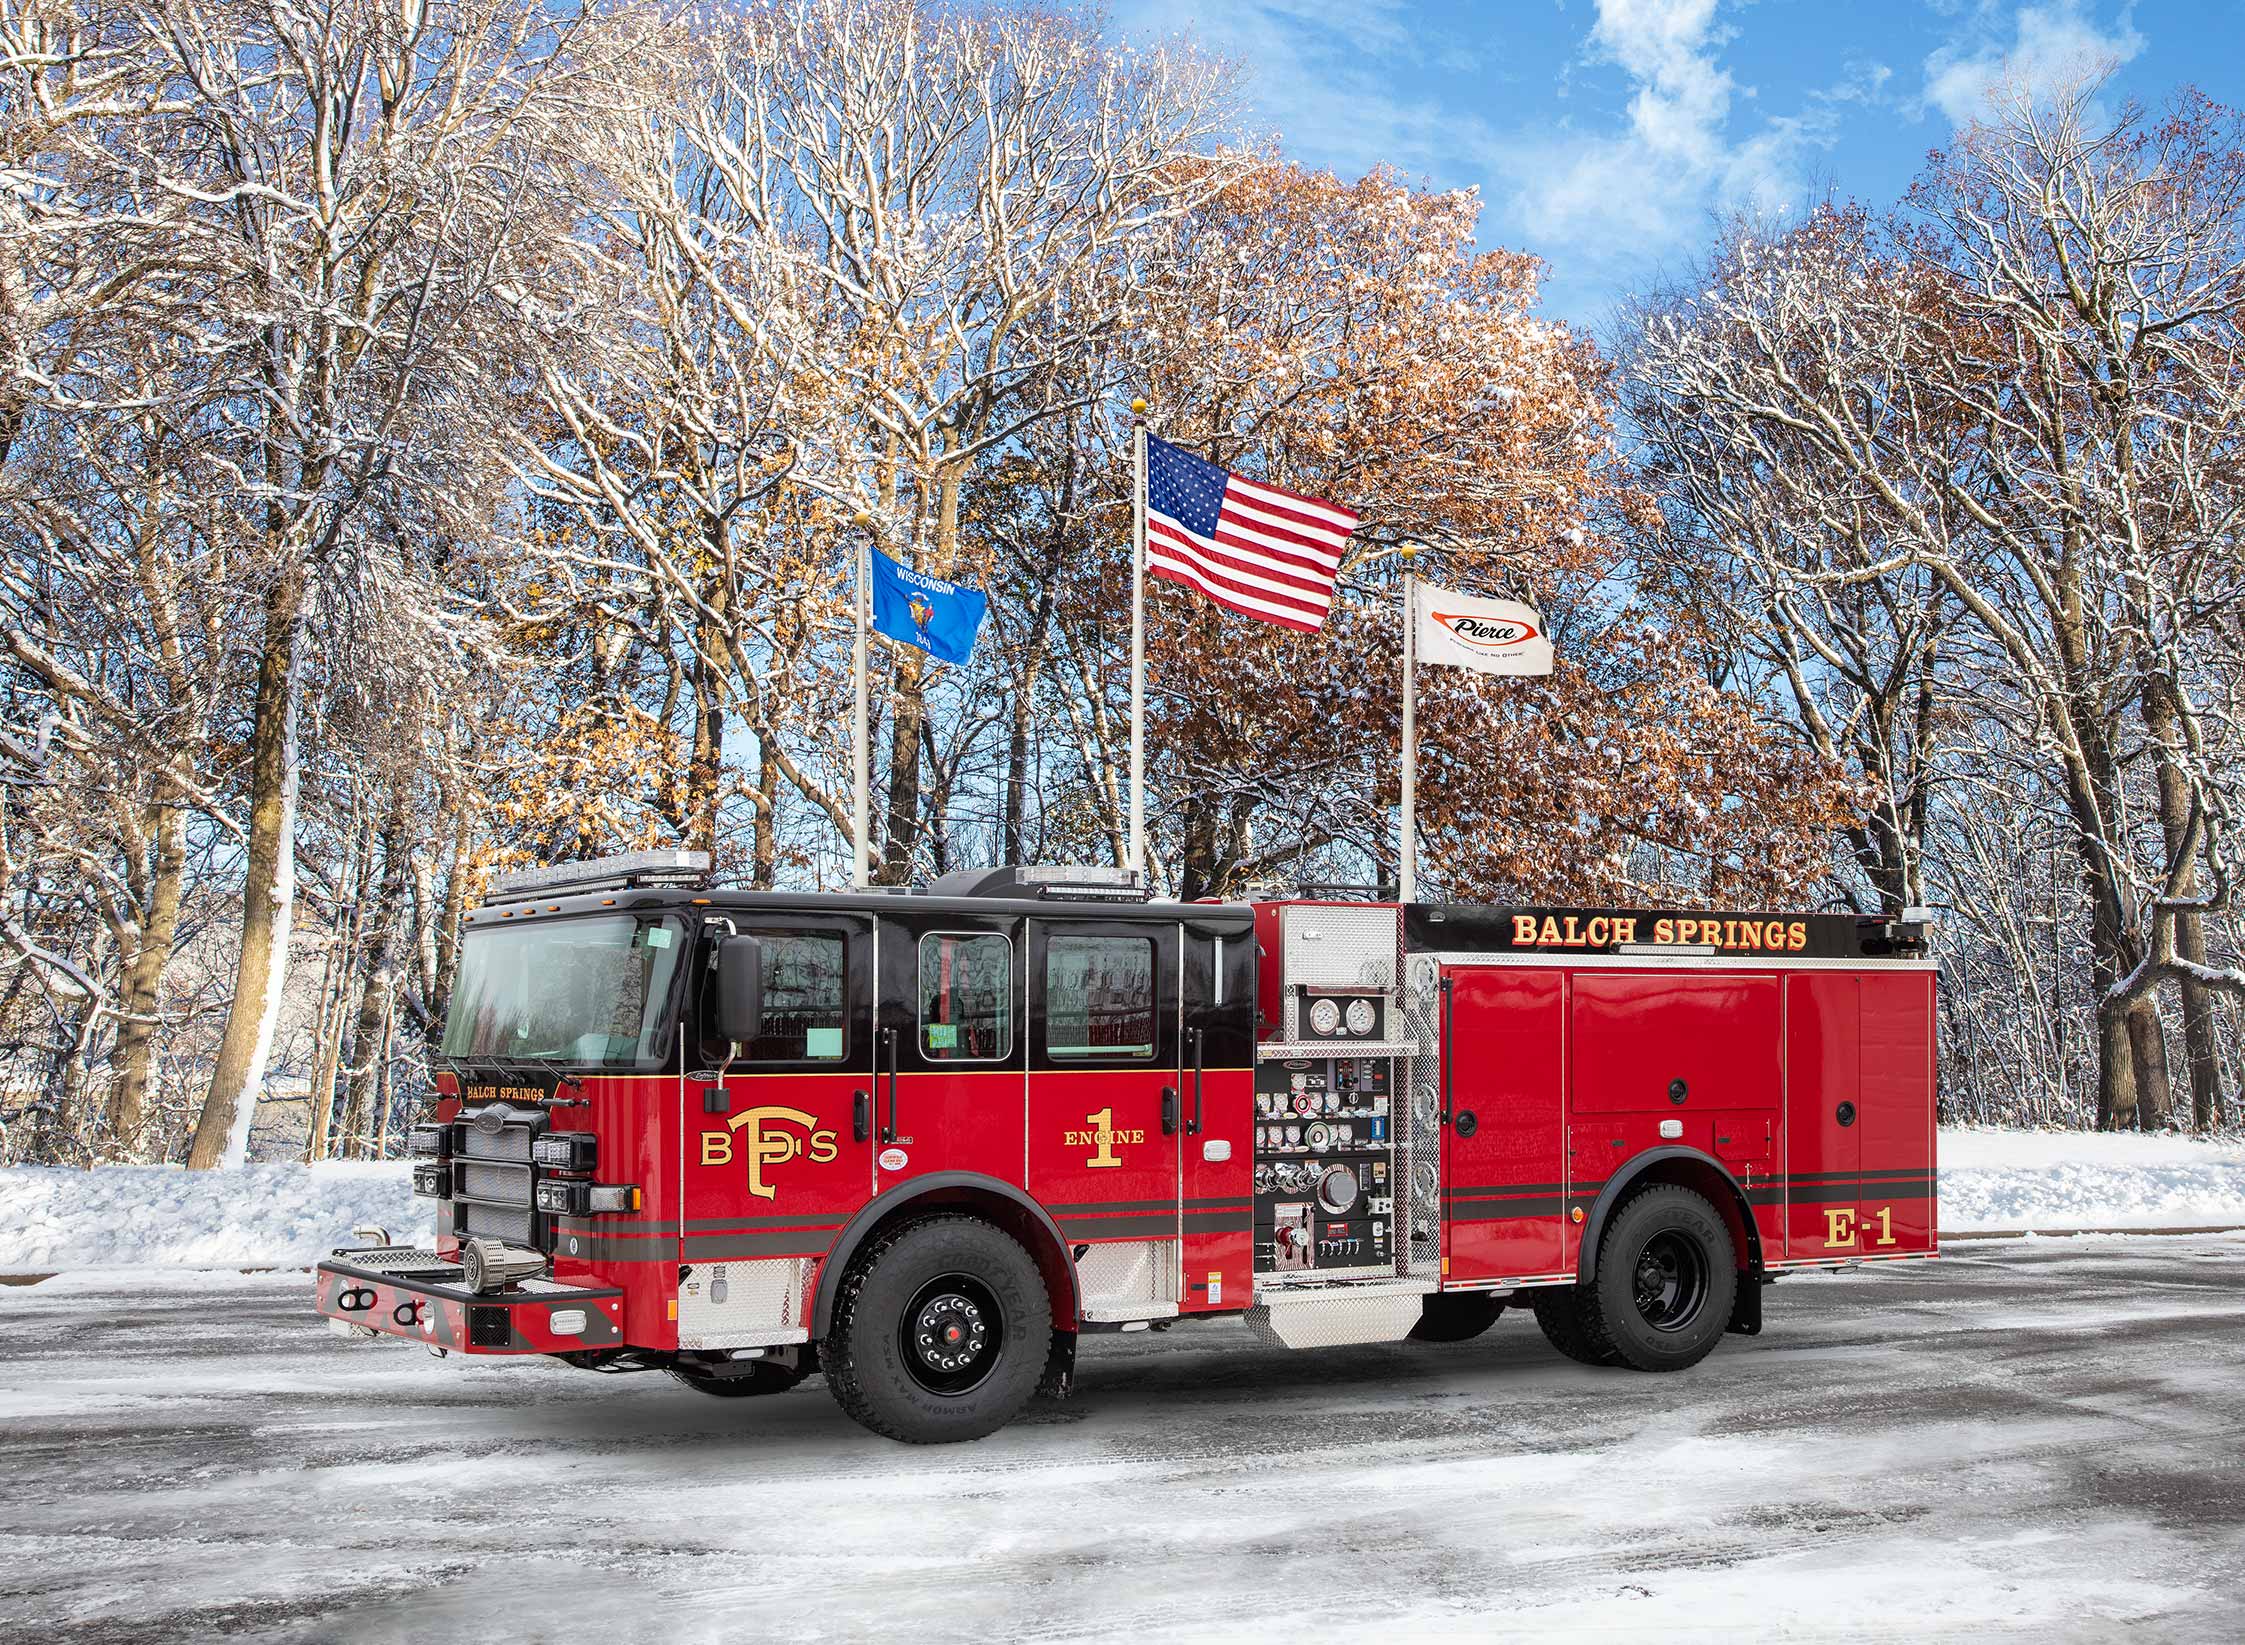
(1337, 1315)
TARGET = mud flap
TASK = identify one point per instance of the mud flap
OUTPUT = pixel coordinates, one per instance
(1746, 1308)
(1059, 1379)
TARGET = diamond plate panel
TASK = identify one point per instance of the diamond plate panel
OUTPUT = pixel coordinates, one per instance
(742, 1304)
(1418, 1131)
(1350, 946)
(1129, 1270)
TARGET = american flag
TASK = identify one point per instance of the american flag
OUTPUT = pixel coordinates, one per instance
(1250, 547)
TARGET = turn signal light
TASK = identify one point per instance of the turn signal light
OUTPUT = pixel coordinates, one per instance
(584, 1199)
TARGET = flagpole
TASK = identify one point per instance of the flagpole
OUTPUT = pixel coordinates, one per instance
(1137, 863)
(1407, 876)
(860, 801)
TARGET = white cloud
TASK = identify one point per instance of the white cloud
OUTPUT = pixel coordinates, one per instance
(1616, 196)
(2049, 45)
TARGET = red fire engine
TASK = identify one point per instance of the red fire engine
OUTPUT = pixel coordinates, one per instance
(925, 1140)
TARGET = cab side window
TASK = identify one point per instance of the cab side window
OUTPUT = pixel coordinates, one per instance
(966, 996)
(806, 999)
(1099, 997)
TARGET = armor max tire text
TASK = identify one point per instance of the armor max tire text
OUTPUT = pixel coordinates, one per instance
(943, 1283)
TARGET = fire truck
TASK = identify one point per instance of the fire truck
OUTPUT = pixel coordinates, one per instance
(924, 1141)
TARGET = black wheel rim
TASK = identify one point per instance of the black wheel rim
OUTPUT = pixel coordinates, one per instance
(1671, 1281)
(952, 1334)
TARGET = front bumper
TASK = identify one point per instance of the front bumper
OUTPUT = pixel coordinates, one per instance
(422, 1297)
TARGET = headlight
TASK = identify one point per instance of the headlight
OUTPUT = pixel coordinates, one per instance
(1325, 1017)
(565, 1151)
(429, 1181)
(1362, 1016)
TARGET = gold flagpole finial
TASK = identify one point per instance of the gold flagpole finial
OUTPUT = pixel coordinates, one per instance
(1138, 408)
(1409, 551)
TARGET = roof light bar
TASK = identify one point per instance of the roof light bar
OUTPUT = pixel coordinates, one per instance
(625, 868)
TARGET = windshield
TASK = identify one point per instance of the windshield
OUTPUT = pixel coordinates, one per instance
(590, 990)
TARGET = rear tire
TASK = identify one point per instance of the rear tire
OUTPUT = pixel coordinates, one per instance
(1459, 1316)
(762, 1377)
(942, 1330)
(1559, 1311)
(1667, 1278)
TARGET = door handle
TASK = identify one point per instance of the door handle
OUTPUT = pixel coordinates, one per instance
(861, 1114)
(1169, 1110)
(888, 1131)
(1200, 1047)
(1845, 1113)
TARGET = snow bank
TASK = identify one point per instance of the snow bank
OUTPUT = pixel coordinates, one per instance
(276, 1216)
(2085, 1179)
(254, 1217)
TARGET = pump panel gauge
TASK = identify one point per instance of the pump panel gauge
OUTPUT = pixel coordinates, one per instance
(1325, 1017)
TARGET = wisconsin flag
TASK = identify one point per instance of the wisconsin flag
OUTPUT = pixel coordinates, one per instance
(939, 617)
(1493, 636)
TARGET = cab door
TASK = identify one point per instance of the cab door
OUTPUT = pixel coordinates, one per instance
(949, 1047)
(1107, 1087)
(778, 1148)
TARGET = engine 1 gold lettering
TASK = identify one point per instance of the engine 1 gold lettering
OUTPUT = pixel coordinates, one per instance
(1101, 1137)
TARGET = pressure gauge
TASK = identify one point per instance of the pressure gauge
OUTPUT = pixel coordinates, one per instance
(1361, 1016)
(1325, 1017)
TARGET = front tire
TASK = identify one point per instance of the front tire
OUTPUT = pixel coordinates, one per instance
(1458, 1316)
(1667, 1279)
(941, 1331)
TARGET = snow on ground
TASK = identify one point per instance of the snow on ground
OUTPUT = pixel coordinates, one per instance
(258, 1216)
(266, 1216)
(2032, 1441)
(2085, 1179)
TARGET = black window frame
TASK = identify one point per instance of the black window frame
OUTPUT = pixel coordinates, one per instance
(1011, 995)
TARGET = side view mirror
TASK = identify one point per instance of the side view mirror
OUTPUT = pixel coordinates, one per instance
(739, 1005)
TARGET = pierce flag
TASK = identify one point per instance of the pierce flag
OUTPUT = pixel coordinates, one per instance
(1492, 636)
(939, 617)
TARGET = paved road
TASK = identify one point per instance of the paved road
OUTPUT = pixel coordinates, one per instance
(2036, 1440)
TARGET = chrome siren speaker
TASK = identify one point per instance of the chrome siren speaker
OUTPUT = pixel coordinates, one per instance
(493, 1265)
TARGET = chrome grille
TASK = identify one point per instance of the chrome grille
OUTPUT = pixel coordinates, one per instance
(511, 1144)
(498, 1221)
(505, 1184)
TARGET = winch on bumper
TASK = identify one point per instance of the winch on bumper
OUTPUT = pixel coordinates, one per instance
(424, 1298)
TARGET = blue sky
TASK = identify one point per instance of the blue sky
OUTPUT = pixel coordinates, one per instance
(1605, 135)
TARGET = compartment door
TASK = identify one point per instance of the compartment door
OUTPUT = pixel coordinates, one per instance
(1823, 1114)
(1504, 1150)
(1895, 1206)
